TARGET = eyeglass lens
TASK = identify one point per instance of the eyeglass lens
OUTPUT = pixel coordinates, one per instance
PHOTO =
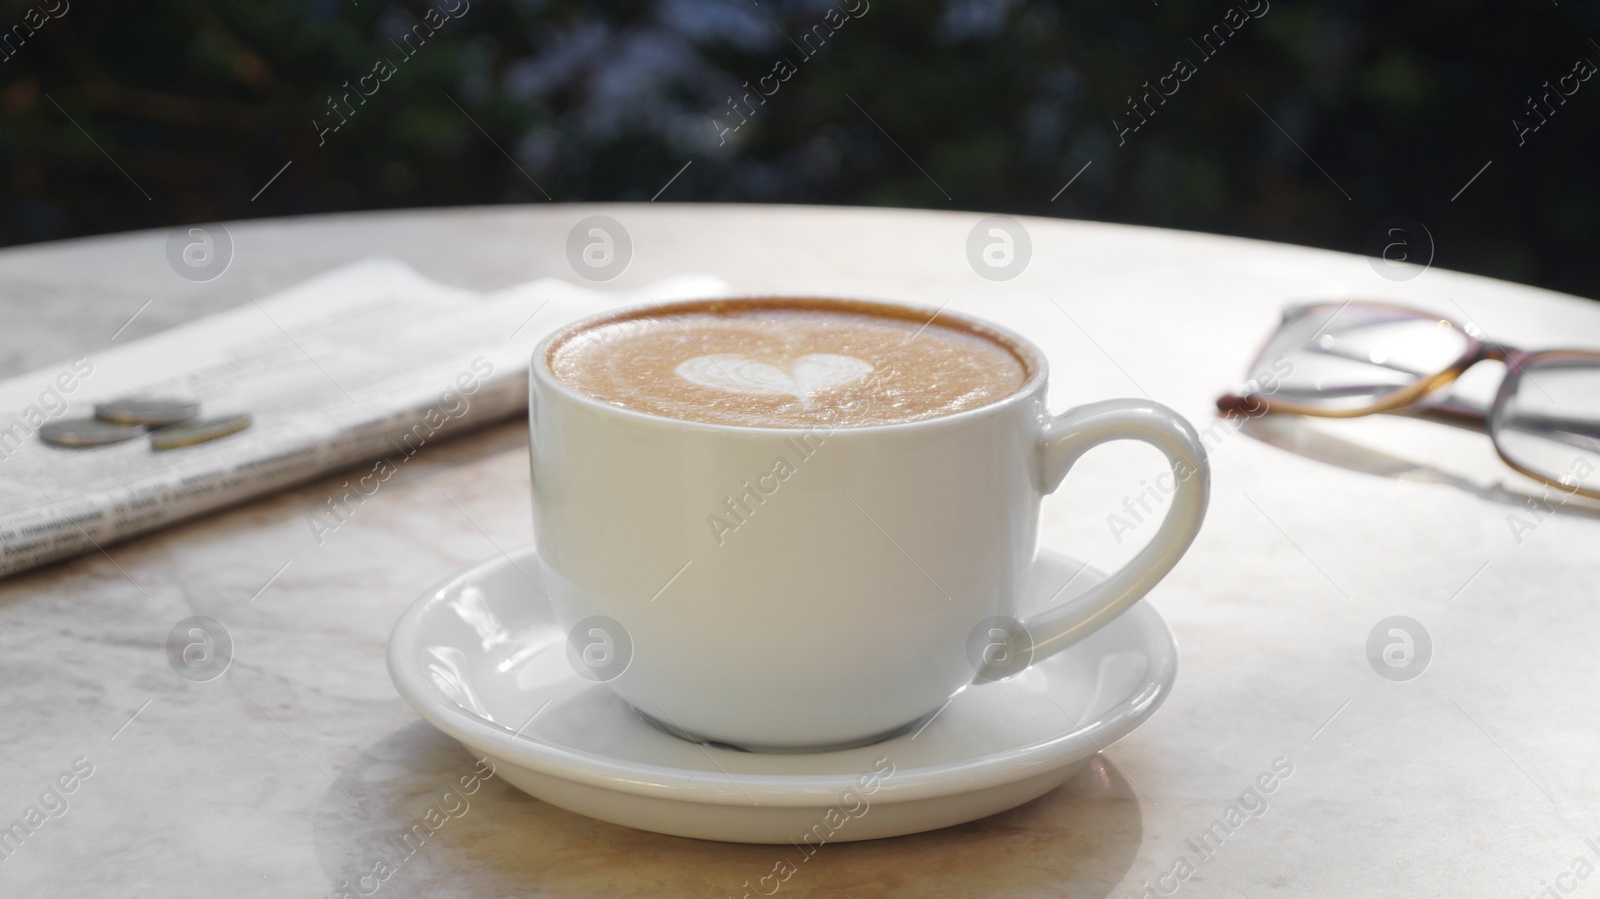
(1549, 418)
(1352, 356)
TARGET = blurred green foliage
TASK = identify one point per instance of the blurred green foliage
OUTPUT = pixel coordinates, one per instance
(999, 102)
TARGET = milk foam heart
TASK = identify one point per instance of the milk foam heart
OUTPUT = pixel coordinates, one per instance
(809, 374)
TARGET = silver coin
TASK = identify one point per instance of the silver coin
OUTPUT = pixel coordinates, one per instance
(76, 433)
(201, 430)
(152, 411)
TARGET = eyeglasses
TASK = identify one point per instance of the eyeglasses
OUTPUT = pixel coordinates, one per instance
(1360, 357)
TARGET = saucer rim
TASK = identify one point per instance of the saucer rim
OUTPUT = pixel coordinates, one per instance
(771, 790)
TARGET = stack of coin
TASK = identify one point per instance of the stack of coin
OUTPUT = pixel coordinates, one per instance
(170, 423)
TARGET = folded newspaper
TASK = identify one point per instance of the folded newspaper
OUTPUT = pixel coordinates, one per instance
(368, 361)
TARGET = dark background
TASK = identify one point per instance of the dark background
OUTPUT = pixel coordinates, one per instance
(1000, 103)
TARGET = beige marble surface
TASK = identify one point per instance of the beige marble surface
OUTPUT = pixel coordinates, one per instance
(286, 775)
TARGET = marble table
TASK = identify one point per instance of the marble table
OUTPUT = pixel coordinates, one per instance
(1480, 777)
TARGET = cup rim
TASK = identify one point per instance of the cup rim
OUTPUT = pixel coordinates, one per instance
(1033, 359)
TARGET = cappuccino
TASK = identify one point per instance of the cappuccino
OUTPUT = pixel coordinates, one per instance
(782, 363)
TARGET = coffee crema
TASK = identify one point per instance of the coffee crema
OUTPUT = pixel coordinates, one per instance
(781, 363)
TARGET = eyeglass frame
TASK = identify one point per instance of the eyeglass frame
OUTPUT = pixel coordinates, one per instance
(1458, 413)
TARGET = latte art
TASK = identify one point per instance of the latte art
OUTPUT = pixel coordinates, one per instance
(787, 363)
(809, 374)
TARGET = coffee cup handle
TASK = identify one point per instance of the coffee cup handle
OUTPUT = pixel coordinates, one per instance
(1063, 440)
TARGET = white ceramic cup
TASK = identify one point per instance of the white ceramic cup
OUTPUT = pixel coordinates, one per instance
(874, 574)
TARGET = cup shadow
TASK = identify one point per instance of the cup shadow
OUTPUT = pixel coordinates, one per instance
(1079, 839)
(1303, 438)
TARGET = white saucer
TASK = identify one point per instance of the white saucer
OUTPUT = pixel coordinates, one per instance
(482, 658)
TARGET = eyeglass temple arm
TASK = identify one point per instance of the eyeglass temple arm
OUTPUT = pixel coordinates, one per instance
(1577, 432)
(1450, 410)
(1470, 416)
(1446, 408)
